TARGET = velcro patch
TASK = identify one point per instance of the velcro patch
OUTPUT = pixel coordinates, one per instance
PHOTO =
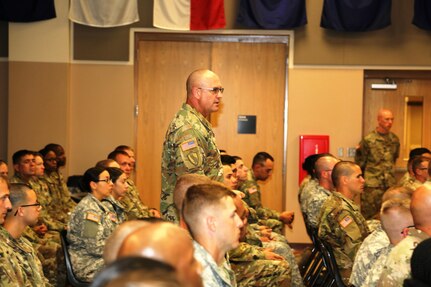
(93, 217)
(113, 217)
(252, 190)
(346, 221)
(188, 144)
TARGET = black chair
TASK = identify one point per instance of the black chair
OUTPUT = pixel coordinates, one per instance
(75, 282)
(334, 277)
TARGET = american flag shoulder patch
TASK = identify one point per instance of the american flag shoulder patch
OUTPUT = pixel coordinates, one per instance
(346, 221)
(188, 144)
(93, 217)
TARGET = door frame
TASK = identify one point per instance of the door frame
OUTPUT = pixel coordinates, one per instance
(242, 36)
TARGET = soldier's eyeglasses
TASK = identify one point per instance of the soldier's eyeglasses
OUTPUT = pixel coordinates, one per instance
(215, 90)
(37, 204)
(107, 180)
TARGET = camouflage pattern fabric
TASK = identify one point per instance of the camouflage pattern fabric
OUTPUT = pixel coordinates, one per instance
(115, 206)
(63, 191)
(370, 250)
(397, 266)
(412, 184)
(311, 201)
(344, 228)
(376, 155)
(133, 206)
(373, 275)
(10, 272)
(189, 147)
(62, 211)
(49, 252)
(27, 261)
(404, 179)
(212, 274)
(90, 225)
(267, 216)
(252, 269)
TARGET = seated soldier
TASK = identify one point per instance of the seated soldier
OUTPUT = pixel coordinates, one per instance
(134, 208)
(4, 170)
(261, 170)
(421, 151)
(397, 265)
(209, 212)
(420, 175)
(154, 241)
(342, 225)
(25, 211)
(257, 266)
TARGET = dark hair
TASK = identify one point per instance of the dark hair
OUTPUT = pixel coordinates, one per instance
(113, 154)
(114, 173)
(261, 157)
(227, 159)
(310, 162)
(341, 168)
(2, 162)
(16, 157)
(135, 270)
(123, 148)
(56, 148)
(92, 174)
(418, 151)
(18, 193)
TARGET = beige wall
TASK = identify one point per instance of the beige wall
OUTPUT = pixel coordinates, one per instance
(101, 112)
(321, 102)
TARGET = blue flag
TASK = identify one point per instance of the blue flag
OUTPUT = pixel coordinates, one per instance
(272, 14)
(356, 15)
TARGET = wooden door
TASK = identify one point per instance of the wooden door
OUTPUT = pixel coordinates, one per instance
(254, 77)
(416, 85)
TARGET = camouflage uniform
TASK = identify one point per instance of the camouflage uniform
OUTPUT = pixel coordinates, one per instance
(367, 255)
(212, 274)
(48, 246)
(404, 179)
(253, 218)
(90, 224)
(10, 273)
(397, 266)
(344, 228)
(58, 206)
(133, 206)
(117, 207)
(189, 147)
(373, 275)
(312, 198)
(25, 256)
(376, 155)
(252, 269)
(412, 183)
(63, 190)
(252, 192)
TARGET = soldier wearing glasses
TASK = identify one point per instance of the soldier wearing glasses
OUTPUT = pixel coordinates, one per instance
(25, 212)
(90, 225)
(190, 145)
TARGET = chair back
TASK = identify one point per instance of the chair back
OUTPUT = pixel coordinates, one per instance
(73, 280)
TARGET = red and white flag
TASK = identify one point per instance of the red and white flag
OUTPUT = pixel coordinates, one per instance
(189, 14)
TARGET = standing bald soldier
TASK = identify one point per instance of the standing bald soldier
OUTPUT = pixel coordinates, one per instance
(376, 155)
(190, 145)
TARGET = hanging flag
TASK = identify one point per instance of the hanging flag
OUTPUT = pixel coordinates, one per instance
(422, 14)
(356, 15)
(189, 14)
(272, 14)
(26, 10)
(104, 13)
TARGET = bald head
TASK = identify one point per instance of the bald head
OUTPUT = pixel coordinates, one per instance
(323, 168)
(385, 119)
(400, 192)
(421, 209)
(116, 239)
(167, 243)
(197, 78)
(395, 216)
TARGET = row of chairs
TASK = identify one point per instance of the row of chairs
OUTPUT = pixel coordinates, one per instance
(320, 269)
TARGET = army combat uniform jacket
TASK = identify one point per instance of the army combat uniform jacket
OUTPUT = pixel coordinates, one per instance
(90, 225)
(189, 147)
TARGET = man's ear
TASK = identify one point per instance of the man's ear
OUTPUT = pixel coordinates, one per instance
(211, 222)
